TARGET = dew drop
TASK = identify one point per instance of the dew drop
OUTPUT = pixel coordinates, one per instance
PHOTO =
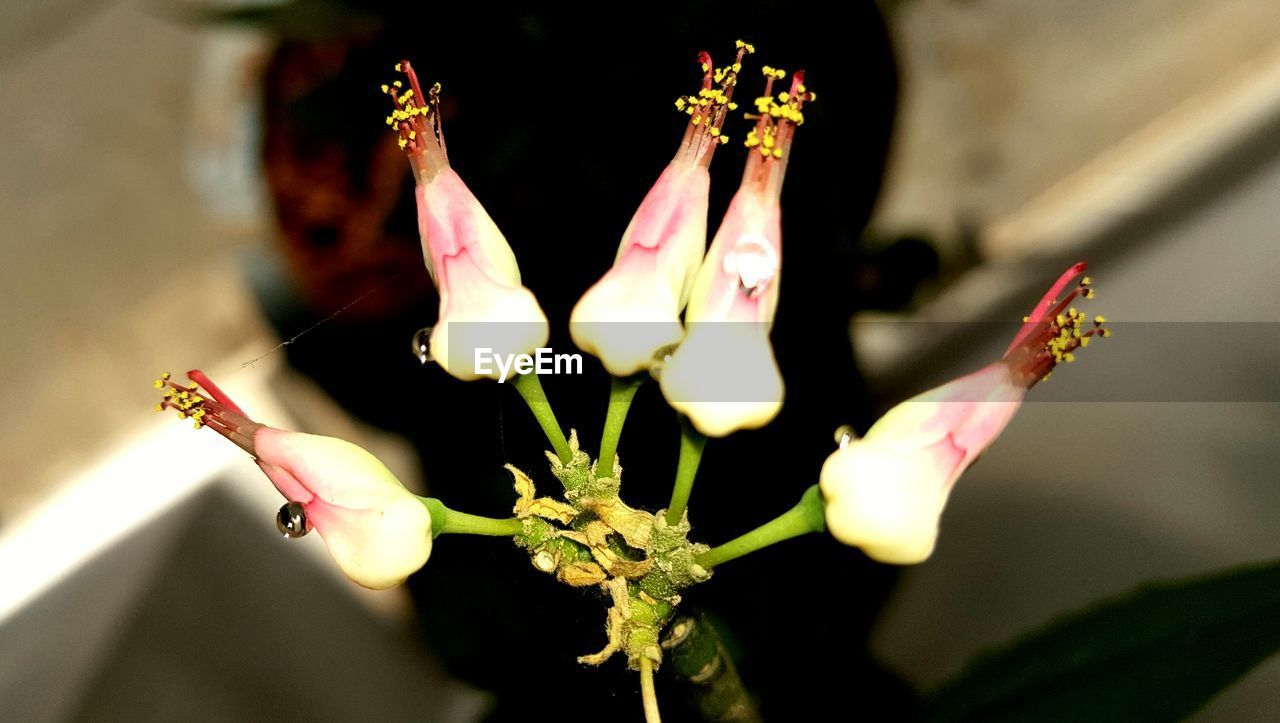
(660, 359)
(845, 434)
(421, 345)
(291, 520)
(752, 263)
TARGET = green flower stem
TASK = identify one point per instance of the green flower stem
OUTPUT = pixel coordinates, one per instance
(704, 671)
(805, 517)
(621, 392)
(531, 391)
(445, 521)
(691, 444)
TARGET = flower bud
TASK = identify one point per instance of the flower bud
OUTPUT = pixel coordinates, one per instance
(885, 492)
(482, 302)
(724, 377)
(377, 531)
(634, 310)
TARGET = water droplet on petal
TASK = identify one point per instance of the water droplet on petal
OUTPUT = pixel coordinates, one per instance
(422, 345)
(291, 520)
(752, 263)
(845, 434)
(660, 359)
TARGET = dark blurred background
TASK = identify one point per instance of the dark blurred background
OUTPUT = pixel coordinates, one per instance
(207, 182)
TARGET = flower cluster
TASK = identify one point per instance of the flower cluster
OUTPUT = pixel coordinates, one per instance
(669, 307)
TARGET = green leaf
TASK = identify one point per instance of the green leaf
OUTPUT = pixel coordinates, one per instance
(1159, 653)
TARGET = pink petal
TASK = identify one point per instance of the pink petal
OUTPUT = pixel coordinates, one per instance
(677, 198)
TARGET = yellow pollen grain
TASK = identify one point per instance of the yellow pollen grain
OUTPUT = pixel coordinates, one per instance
(1099, 319)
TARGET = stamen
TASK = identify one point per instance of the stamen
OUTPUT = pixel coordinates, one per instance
(708, 109)
(216, 411)
(1054, 330)
(777, 117)
(416, 119)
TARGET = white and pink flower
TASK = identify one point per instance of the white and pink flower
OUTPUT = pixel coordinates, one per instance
(723, 376)
(885, 492)
(482, 301)
(634, 309)
(377, 531)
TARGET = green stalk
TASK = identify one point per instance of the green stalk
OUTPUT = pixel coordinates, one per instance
(805, 517)
(692, 443)
(530, 389)
(445, 521)
(704, 671)
(621, 392)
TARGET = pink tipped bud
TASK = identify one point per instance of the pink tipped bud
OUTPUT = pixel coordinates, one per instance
(885, 492)
(376, 530)
(634, 310)
(469, 259)
(735, 292)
